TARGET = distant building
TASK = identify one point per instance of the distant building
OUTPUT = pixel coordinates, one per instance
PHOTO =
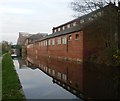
(35, 37)
(25, 39)
(22, 38)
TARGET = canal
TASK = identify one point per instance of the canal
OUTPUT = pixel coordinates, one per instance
(45, 78)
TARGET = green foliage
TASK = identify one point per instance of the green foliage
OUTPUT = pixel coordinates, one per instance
(10, 82)
(6, 46)
(116, 57)
(109, 56)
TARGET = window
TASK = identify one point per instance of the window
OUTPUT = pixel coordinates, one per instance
(74, 23)
(53, 41)
(58, 29)
(49, 71)
(90, 19)
(41, 44)
(77, 36)
(82, 21)
(64, 41)
(46, 69)
(59, 75)
(68, 26)
(63, 27)
(59, 41)
(53, 72)
(64, 77)
(49, 42)
(46, 42)
(70, 37)
(55, 30)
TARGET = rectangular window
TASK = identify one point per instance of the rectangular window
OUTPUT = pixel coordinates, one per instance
(70, 37)
(63, 27)
(46, 42)
(58, 29)
(55, 30)
(68, 26)
(59, 75)
(53, 72)
(41, 44)
(49, 42)
(76, 36)
(64, 77)
(82, 21)
(64, 40)
(74, 23)
(59, 41)
(90, 19)
(53, 41)
(49, 71)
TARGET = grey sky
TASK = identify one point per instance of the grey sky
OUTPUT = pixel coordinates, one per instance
(32, 16)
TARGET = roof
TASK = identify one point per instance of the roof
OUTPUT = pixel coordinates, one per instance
(78, 27)
(89, 14)
(37, 36)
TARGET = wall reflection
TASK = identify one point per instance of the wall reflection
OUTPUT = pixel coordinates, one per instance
(86, 81)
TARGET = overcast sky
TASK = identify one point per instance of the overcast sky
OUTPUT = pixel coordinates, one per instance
(32, 16)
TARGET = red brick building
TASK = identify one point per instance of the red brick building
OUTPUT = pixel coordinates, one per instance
(80, 38)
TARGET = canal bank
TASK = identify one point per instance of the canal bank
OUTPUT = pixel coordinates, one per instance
(11, 87)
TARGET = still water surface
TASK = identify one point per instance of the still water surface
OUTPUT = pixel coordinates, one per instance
(56, 79)
(38, 85)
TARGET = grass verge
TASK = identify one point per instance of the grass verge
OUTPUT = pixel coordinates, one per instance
(10, 81)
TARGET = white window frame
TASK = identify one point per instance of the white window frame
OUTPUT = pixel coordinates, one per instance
(74, 24)
(64, 40)
(41, 43)
(49, 42)
(53, 41)
(46, 42)
(68, 26)
(63, 27)
(59, 29)
(59, 41)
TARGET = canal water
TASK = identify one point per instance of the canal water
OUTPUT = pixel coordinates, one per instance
(45, 78)
(38, 85)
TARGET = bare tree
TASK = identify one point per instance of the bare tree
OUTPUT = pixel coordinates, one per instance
(86, 6)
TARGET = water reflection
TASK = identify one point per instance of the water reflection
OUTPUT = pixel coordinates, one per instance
(86, 81)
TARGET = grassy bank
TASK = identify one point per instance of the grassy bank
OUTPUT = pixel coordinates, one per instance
(10, 81)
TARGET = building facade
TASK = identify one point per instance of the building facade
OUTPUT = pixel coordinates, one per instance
(80, 38)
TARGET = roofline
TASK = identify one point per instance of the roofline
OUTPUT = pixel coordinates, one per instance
(85, 15)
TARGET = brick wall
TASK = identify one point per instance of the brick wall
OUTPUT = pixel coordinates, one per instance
(72, 49)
